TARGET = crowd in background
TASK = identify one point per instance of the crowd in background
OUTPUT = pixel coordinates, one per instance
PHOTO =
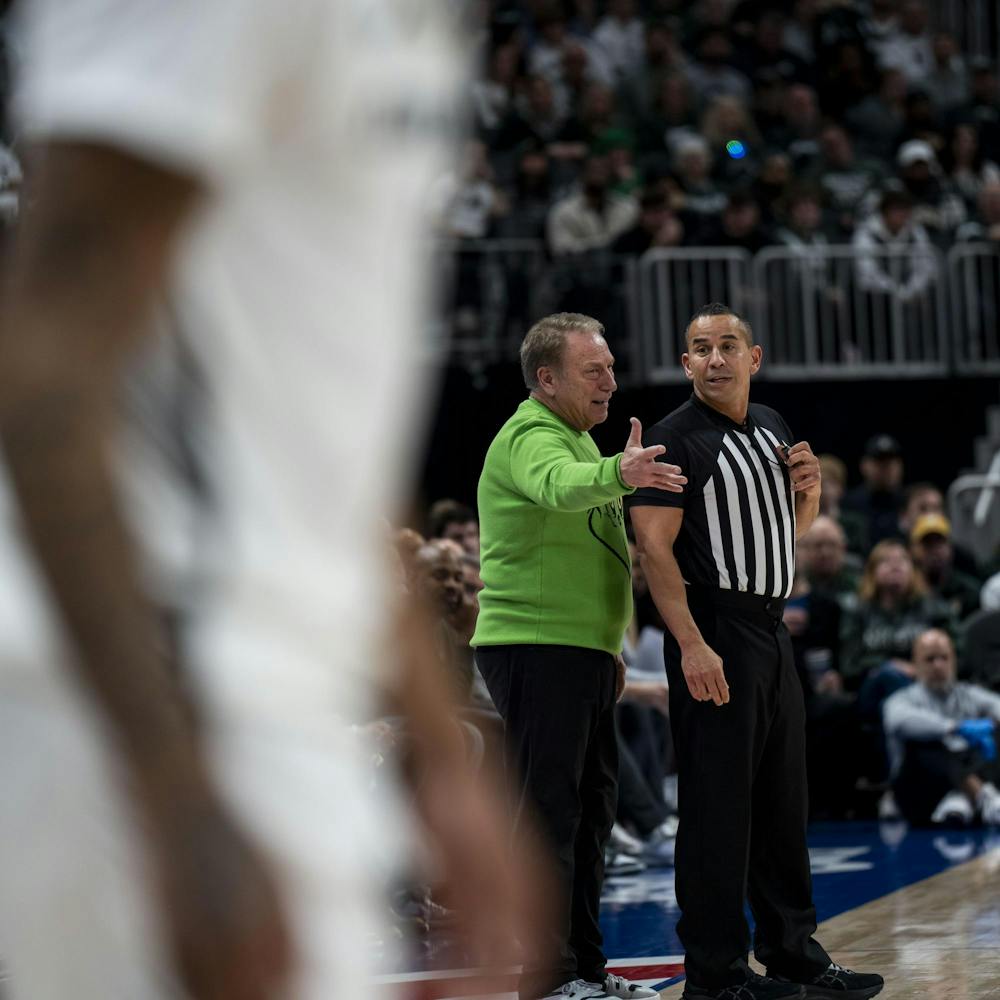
(627, 125)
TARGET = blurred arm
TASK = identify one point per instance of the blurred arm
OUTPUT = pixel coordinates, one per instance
(89, 257)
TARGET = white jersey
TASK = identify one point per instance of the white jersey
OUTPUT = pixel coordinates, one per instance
(259, 490)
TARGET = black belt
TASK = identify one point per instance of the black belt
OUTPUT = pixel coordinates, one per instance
(773, 607)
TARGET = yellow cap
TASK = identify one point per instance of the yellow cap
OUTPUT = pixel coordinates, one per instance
(930, 524)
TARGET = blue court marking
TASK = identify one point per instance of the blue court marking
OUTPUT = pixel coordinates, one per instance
(852, 864)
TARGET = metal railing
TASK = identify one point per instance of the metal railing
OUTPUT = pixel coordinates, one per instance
(974, 279)
(823, 312)
(841, 312)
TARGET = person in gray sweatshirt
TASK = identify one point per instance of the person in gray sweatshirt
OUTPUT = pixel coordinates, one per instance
(942, 737)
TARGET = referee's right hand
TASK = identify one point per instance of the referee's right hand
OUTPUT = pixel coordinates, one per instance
(703, 672)
(638, 466)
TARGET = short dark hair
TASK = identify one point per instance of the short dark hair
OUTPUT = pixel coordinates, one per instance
(445, 512)
(721, 309)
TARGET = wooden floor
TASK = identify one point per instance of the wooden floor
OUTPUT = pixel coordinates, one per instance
(938, 939)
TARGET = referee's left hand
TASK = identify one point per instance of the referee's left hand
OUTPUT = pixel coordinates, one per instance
(803, 468)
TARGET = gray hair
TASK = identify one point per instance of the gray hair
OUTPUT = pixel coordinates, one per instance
(543, 344)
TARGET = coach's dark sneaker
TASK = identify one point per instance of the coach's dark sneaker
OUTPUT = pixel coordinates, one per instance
(755, 988)
(838, 983)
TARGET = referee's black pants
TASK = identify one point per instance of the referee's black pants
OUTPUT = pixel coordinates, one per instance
(558, 703)
(742, 800)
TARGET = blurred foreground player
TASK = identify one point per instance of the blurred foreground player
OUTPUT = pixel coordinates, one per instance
(242, 164)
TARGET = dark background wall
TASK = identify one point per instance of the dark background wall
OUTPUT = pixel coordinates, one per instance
(936, 421)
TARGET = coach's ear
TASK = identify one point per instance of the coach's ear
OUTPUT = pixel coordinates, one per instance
(684, 363)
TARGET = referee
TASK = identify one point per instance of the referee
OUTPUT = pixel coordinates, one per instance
(719, 559)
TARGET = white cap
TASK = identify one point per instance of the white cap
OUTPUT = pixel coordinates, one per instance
(914, 151)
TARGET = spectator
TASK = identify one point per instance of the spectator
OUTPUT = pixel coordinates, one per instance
(769, 107)
(439, 578)
(853, 523)
(942, 741)
(657, 226)
(547, 54)
(802, 126)
(800, 30)
(454, 521)
(983, 107)
(877, 119)
(846, 76)
(771, 189)
(892, 609)
(592, 217)
(934, 556)
(880, 26)
(619, 147)
(531, 196)
(920, 499)
(908, 48)
(596, 116)
(472, 581)
(671, 118)
(947, 82)
(986, 225)
(468, 201)
(879, 496)
(621, 37)
(965, 168)
(921, 121)
(535, 117)
(712, 75)
(844, 178)
(492, 95)
(702, 196)
(822, 552)
(663, 58)
(815, 302)
(936, 205)
(896, 266)
(739, 225)
(803, 229)
(577, 75)
(767, 49)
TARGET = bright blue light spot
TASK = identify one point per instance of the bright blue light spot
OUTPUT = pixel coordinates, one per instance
(736, 149)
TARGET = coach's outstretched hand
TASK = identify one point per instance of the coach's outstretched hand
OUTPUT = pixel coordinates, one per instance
(640, 468)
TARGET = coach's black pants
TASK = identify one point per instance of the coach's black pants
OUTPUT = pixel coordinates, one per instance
(558, 704)
(742, 800)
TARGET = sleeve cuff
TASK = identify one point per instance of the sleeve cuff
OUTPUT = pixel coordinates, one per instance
(618, 473)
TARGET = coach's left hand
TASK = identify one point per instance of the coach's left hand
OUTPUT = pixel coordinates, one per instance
(803, 468)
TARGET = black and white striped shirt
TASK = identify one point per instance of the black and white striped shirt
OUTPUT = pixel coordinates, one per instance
(738, 531)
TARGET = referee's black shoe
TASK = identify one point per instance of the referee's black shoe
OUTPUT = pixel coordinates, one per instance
(755, 988)
(838, 983)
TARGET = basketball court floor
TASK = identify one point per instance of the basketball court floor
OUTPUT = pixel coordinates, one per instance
(920, 906)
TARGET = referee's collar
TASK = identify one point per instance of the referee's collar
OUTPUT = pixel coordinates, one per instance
(720, 418)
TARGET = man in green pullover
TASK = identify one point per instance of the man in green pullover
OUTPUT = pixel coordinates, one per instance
(557, 598)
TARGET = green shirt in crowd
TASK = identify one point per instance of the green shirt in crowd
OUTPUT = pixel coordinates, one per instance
(555, 561)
